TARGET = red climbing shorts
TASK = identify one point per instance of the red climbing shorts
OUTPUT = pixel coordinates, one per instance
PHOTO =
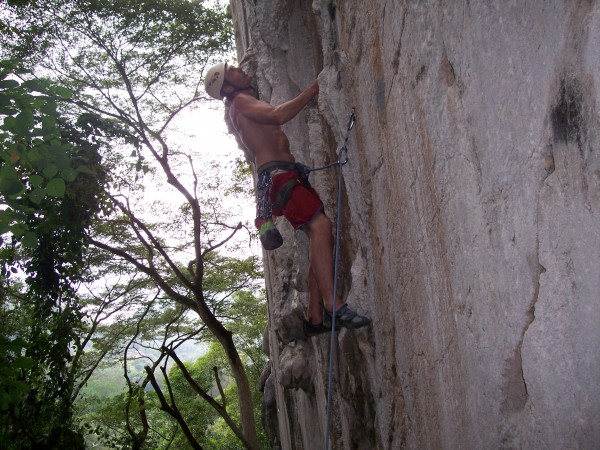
(304, 203)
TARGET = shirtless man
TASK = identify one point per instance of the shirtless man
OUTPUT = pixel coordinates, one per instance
(258, 125)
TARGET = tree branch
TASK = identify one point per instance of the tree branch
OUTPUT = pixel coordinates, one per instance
(157, 245)
(223, 242)
(218, 381)
(205, 396)
(172, 411)
(142, 436)
(152, 273)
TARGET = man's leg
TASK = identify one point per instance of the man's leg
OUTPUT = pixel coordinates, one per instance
(303, 202)
(314, 314)
(319, 232)
(321, 265)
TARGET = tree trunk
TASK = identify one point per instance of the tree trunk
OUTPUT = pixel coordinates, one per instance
(239, 374)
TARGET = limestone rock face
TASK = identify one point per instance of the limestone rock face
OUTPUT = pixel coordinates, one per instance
(470, 220)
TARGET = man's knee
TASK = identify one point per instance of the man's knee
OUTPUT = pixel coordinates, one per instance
(321, 224)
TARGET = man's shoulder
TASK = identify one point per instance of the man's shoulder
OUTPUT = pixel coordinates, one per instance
(243, 98)
(247, 106)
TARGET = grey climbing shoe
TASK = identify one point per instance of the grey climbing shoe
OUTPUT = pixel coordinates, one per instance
(345, 317)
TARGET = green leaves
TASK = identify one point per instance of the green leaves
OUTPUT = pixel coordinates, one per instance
(34, 160)
(30, 240)
(8, 84)
(56, 187)
(131, 67)
(10, 181)
(11, 354)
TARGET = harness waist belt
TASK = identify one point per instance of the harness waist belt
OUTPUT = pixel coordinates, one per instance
(276, 165)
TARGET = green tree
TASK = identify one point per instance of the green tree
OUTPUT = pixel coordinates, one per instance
(210, 377)
(138, 65)
(192, 401)
(50, 178)
(138, 338)
(34, 160)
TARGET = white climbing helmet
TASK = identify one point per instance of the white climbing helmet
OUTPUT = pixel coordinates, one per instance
(213, 82)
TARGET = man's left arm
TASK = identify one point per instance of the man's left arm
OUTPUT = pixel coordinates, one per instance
(290, 109)
(267, 114)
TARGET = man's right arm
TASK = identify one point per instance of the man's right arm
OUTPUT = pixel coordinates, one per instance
(264, 113)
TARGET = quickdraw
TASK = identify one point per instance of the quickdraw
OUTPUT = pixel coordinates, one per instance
(343, 149)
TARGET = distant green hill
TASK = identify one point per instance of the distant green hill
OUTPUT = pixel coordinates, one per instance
(109, 381)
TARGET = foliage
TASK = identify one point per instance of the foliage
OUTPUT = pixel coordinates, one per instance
(202, 418)
(131, 68)
(34, 161)
(49, 198)
(152, 50)
(212, 374)
(244, 312)
(214, 432)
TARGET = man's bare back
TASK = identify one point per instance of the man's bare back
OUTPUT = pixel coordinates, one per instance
(265, 142)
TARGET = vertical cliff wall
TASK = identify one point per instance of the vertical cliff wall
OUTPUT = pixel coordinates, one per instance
(470, 223)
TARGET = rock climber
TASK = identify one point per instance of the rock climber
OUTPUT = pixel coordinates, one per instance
(283, 188)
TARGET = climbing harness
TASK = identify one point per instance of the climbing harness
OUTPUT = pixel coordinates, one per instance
(343, 153)
(265, 204)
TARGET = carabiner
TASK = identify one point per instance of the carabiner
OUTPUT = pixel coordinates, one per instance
(351, 120)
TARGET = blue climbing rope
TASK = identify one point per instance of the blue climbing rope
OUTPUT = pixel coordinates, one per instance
(343, 153)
